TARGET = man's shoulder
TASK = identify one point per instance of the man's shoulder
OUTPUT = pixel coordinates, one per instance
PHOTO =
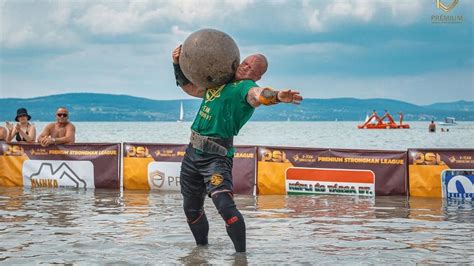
(245, 83)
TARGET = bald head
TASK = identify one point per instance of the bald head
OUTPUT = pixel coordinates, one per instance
(253, 67)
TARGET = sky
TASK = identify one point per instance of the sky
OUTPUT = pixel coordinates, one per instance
(325, 49)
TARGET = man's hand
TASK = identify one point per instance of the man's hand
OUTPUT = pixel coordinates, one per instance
(45, 142)
(176, 53)
(289, 96)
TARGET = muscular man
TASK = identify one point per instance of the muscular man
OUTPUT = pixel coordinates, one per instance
(207, 165)
(60, 132)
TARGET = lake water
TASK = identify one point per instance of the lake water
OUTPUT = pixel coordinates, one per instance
(297, 134)
(49, 226)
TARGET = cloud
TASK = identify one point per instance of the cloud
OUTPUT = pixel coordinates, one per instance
(424, 88)
(326, 16)
(124, 46)
(68, 21)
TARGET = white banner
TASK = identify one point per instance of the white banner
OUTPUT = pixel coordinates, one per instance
(58, 173)
(164, 175)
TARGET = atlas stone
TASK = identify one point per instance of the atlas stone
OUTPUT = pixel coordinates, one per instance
(209, 58)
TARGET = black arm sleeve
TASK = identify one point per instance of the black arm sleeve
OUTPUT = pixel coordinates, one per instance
(181, 79)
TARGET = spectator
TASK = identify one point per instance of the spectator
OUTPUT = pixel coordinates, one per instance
(60, 132)
(23, 131)
(432, 127)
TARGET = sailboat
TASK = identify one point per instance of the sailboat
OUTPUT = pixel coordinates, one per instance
(181, 113)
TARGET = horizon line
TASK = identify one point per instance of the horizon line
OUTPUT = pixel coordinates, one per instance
(187, 99)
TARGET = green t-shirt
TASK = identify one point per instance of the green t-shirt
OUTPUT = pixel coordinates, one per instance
(224, 110)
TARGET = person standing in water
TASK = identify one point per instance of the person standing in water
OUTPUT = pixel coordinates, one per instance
(207, 165)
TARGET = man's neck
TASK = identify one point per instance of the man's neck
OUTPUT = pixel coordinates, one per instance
(62, 124)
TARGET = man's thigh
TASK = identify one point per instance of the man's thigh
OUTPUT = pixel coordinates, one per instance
(191, 181)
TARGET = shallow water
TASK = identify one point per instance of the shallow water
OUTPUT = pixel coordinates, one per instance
(107, 226)
(140, 227)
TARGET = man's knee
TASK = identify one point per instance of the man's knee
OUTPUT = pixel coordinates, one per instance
(225, 204)
(193, 210)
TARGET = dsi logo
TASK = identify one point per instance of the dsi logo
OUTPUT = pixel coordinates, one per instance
(458, 184)
(274, 156)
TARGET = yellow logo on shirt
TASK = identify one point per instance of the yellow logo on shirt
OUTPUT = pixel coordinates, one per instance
(214, 93)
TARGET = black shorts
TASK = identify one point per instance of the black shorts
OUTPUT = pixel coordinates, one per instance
(203, 173)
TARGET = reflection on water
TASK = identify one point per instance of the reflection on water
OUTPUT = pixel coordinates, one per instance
(111, 226)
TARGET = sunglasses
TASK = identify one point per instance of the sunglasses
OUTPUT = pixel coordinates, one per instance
(61, 115)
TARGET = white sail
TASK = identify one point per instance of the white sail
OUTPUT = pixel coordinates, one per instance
(181, 113)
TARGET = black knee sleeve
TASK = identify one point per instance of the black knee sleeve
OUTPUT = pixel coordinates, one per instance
(197, 220)
(235, 224)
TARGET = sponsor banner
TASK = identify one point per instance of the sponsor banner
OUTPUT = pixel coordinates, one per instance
(76, 166)
(441, 172)
(330, 181)
(458, 184)
(387, 167)
(158, 167)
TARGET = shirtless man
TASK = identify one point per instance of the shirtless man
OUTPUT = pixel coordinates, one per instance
(3, 133)
(61, 132)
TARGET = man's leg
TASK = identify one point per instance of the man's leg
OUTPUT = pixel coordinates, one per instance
(196, 217)
(217, 172)
(234, 221)
(193, 190)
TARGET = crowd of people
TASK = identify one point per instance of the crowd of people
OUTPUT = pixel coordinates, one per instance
(60, 132)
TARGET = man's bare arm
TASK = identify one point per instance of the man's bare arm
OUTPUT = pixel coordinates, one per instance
(46, 132)
(267, 96)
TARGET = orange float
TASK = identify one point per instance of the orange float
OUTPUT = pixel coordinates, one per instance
(376, 122)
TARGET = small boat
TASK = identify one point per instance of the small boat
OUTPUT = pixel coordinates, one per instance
(181, 113)
(448, 121)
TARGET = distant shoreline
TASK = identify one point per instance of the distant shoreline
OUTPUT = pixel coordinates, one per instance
(95, 107)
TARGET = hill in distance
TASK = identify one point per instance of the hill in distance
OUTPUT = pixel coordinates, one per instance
(111, 107)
